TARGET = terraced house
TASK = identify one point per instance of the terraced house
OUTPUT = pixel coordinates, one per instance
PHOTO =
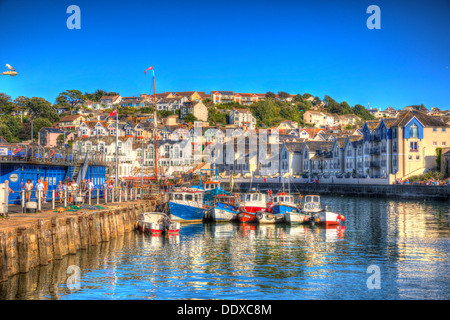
(403, 146)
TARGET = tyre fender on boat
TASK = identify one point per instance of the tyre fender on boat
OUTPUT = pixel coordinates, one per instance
(259, 215)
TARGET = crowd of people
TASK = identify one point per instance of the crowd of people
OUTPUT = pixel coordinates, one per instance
(429, 182)
(69, 189)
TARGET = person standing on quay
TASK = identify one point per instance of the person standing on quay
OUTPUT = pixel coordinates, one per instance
(39, 189)
(44, 196)
(60, 190)
(28, 187)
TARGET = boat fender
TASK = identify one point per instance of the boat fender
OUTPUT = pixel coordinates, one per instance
(259, 215)
(317, 220)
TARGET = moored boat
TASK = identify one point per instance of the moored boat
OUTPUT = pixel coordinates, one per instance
(320, 215)
(225, 208)
(157, 223)
(250, 204)
(283, 203)
(186, 204)
(296, 217)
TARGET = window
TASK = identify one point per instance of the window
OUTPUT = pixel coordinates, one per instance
(414, 146)
(417, 158)
(434, 143)
(178, 196)
(444, 143)
(434, 129)
(413, 131)
(444, 129)
(410, 157)
(188, 197)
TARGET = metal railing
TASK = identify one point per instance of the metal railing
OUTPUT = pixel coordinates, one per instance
(44, 200)
(42, 155)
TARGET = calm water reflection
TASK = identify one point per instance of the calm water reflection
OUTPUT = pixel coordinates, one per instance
(409, 241)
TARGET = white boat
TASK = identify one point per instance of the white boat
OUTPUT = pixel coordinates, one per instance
(320, 216)
(225, 208)
(296, 217)
(157, 223)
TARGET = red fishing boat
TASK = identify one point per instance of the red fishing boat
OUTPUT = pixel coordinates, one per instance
(250, 204)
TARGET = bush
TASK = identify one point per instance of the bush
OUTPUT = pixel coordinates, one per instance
(435, 175)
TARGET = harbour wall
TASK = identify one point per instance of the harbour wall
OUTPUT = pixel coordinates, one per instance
(359, 190)
(26, 243)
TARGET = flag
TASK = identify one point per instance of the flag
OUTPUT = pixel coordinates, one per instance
(113, 113)
(151, 68)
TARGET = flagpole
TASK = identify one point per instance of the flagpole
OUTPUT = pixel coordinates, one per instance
(154, 129)
(117, 149)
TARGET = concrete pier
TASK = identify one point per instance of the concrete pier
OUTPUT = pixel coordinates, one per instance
(31, 240)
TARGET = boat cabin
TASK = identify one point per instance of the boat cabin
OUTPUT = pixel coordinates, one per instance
(185, 196)
(226, 199)
(253, 197)
(312, 203)
(211, 185)
(283, 197)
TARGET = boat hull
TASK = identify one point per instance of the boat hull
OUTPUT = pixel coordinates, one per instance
(282, 208)
(297, 218)
(247, 217)
(271, 218)
(222, 214)
(326, 218)
(183, 212)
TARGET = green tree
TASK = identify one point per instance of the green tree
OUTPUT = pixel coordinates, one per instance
(70, 98)
(40, 123)
(98, 94)
(41, 108)
(346, 109)
(190, 118)
(283, 95)
(6, 105)
(270, 94)
(307, 95)
(21, 104)
(362, 112)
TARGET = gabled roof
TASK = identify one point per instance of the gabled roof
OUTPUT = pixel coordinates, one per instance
(426, 120)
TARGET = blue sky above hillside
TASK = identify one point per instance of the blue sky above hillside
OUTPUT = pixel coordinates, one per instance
(319, 47)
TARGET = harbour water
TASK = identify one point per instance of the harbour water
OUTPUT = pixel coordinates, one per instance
(407, 241)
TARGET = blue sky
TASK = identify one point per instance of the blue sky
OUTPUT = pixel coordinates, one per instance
(320, 47)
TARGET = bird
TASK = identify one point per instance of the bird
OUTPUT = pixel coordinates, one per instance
(9, 67)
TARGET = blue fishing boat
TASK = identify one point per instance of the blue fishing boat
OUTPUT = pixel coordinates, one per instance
(283, 203)
(192, 203)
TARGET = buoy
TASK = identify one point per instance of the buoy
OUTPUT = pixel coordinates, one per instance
(317, 220)
(342, 218)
